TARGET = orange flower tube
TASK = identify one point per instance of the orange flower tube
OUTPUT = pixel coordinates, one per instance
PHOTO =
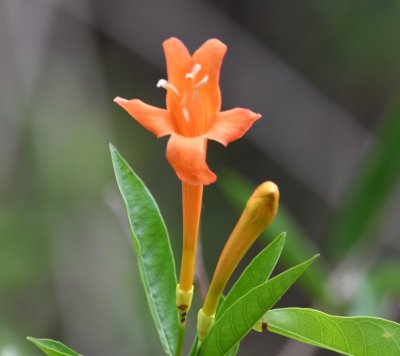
(192, 116)
(259, 212)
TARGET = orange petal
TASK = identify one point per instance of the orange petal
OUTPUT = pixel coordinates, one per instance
(179, 61)
(154, 119)
(230, 125)
(188, 158)
(210, 56)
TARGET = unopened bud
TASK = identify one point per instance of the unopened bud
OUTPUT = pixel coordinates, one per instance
(259, 212)
(262, 206)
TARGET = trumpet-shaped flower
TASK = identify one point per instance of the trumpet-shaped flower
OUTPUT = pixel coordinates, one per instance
(193, 112)
(192, 116)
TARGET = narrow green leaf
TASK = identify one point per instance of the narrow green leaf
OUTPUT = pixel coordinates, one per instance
(52, 348)
(297, 247)
(155, 259)
(234, 350)
(371, 188)
(357, 336)
(257, 272)
(239, 319)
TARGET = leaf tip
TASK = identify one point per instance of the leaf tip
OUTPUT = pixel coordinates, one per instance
(114, 154)
(280, 240)
(313, 258)
(33, 340)
(112, 147)
(282, 236)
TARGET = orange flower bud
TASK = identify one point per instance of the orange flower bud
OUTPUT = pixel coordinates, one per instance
(259, 212)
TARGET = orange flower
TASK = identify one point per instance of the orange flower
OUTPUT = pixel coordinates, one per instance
(192, 117)
(193, 110)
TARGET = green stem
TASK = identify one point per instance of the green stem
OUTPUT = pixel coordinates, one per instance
(181, 337)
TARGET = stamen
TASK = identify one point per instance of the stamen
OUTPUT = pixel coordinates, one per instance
(162, 83)
(201, 82)
(186, 114)
(193, 73)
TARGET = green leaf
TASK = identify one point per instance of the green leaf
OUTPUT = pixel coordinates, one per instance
(239, 319)
(257, 272)
(155, 259)
(52, 348)
(357, 336)
(234, 350)
(371, 188)
(298, 246)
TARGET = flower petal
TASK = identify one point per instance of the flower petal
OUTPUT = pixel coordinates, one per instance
(230, 125)
(154, 119)
(178, 59)
(210, 56)
(187, 155)
(179, 62)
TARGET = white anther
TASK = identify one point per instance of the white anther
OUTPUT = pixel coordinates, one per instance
(186, 114)
(193, 73)
(202, 82)
(162, 83)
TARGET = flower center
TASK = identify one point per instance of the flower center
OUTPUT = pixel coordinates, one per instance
(192, 75)
(189, 103)
(194, 72)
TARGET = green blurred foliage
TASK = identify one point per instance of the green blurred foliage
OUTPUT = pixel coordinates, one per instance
(373, 185)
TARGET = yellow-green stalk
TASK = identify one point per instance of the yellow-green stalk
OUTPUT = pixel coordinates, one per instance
(259, 212)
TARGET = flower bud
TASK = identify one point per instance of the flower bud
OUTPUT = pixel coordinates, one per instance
(259, 212)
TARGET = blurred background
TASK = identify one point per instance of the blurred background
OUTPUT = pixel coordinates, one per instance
(324, 74)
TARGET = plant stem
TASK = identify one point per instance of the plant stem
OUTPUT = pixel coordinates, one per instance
(181, 337)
